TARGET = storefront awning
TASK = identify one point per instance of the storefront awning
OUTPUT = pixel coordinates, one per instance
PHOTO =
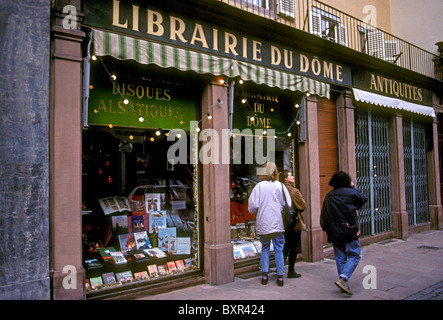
(373, 98)
(147, 52)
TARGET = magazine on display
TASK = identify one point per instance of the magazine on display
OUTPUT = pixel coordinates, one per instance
(153, 201)
(125, 276)
(152, 269)
(155, 253)
(109, 278)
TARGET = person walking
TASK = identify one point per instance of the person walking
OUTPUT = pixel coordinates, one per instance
(266, 201)
(293, 235)
(340, 222)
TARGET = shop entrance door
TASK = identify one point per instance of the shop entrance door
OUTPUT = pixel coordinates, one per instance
(373, 171)
(416, 178)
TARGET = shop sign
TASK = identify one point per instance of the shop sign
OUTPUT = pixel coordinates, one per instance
(259, 108)
(142, 20)
(390, 87)
(161, 104)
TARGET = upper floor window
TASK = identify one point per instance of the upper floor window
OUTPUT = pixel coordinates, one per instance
(260, 3)
(328, 26)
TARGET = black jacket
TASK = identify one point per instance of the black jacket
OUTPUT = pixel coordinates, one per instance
(338, 215)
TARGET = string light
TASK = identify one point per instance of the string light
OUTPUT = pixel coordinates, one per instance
(208, 114)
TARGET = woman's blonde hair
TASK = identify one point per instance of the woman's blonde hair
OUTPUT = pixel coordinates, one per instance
(271, 172)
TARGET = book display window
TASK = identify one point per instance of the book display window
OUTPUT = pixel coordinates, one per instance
(258, 112)
(140, 212)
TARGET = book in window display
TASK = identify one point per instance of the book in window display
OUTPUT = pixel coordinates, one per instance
(153, 272)
(109, 279)
(118, 257)
(183, 245)
(124, 277)
(153, 201)
(155, 253)
(157, 220)
(172, 268)
(105, 253)
(141, 240)
(96, 283)
(166, 239)
(120, 224)
(92, 263)
(162, 269)
(180, 265)
(114, 205)
(127, 242)
(142, 275)
(138, 223)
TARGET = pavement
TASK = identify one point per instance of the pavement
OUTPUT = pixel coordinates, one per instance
(394, 269)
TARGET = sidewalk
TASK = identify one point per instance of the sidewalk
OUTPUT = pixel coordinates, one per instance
(392, 269)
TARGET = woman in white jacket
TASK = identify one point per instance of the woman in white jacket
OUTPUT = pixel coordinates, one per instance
(266, 201)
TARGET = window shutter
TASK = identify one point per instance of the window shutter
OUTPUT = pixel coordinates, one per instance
(315, 23)
(286, 7)
(391, 50)
(376, 46)
(343, 35)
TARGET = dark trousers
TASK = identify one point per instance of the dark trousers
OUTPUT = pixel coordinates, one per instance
(292, 242)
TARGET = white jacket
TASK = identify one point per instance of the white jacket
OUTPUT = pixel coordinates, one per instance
(266, 201)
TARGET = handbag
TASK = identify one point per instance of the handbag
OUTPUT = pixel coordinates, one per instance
(288, 216)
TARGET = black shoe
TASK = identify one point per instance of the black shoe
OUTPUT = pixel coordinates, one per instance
(264, 280)
(280, 281)
(293, 274)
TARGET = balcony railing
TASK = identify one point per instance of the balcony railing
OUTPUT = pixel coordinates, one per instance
(324, 21)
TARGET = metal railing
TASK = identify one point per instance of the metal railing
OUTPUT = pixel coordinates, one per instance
(324, 21)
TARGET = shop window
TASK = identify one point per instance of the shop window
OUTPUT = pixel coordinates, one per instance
(140, 212)
(265, 110)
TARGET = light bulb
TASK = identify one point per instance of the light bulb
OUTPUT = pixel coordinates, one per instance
(141, 119)
(157, 133)
(252, 118)
(113, 77)
(289, 134)
(126, 101)
(94, 57)
(209, 117)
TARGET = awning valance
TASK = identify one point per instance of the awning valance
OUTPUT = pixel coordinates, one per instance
(373, 98)
(147, 52)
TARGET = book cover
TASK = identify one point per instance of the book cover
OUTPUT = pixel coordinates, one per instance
(166, 239)
(157, 220)
(109, 279)
(153, 201)
(141, 240)
(152, 269)
(92, 263)
(120, 224)
(127, 242)
(249, 250)
(189, 263)
(96, 282)
(171, 266)
(125, 276)
(180, 265)
(105, 253)
(142, 275)
(183, 245)
(111, 205)
(137, 206)
(118, 257)
(155, 253)
(162, 269)
(138, 223)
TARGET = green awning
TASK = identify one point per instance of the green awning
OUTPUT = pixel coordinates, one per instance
(148, 52)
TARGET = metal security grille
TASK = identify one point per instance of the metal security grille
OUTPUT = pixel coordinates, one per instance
(373, 171)
(416, 183)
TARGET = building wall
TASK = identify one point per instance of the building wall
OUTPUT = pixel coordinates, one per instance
(24, 149)
(375, 12)
(418, 22)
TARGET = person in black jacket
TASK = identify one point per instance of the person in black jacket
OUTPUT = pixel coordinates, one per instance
(340, 222)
